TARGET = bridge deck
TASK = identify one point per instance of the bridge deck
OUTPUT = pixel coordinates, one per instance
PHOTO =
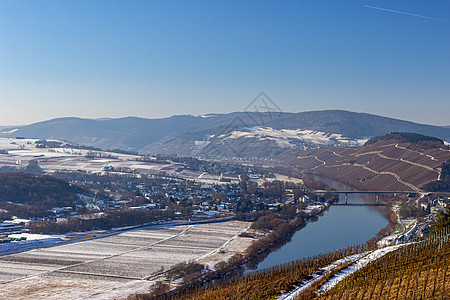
(364, 192)
(359, 204)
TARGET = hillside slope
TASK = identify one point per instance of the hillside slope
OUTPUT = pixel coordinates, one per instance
(231, 134)
(384, 163)
(415, 271)
(260, 135)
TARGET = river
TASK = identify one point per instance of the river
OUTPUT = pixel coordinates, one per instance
(339, 227)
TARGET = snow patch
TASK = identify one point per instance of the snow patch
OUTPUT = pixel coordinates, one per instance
(292, 137)
(361, 263)
(10, 131)
(317, 276)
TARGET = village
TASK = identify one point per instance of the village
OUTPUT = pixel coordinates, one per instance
(163, 190)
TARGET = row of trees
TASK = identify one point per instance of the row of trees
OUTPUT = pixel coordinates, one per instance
(442, 185)
(410, 210)
(443, 221)
(111, 219)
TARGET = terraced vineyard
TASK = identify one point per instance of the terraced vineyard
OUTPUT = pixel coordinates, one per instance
(382, 165)
(415, 271)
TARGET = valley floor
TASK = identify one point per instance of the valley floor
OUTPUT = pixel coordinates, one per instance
(117, 265)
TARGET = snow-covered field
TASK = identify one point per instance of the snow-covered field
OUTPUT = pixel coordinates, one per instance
(289, 137)
(21, 151)
(310, 208)
(31, 236)
(119, 264)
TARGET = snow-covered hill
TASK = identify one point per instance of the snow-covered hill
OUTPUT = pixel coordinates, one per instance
(256, 133)
(290, 138)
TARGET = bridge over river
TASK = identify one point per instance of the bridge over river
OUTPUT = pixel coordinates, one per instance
(377, 193)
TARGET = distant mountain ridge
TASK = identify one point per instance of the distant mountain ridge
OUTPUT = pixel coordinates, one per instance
(189, 135)
(129, 133)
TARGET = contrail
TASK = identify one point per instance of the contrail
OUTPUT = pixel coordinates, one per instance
(405, 13)
(48, 2)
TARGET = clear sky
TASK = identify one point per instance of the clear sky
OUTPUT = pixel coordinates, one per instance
(107, 58)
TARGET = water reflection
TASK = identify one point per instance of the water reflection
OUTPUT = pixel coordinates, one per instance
(339, 227)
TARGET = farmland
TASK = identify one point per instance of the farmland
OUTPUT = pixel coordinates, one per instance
(19, 152)
(116, 265)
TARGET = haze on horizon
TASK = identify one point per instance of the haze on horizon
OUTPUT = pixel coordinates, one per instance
(160, 58)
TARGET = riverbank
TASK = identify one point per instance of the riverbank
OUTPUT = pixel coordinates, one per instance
(337, 227)
(325, 226)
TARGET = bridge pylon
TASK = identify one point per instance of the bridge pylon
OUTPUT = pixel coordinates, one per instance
(346, 198)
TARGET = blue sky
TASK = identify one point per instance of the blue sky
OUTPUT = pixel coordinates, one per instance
(159, 58)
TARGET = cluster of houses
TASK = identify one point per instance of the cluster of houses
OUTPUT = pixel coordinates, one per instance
(202, 199)
(441, 202)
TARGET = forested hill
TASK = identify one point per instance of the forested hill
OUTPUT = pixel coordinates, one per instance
(423, 141)
(27, 195)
